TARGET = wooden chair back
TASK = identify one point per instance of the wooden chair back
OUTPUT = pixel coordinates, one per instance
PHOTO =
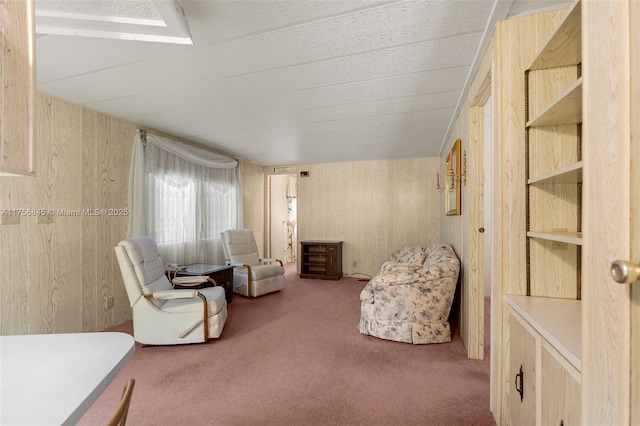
(120, 417)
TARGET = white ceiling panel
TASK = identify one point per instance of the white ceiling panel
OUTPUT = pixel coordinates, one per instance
(216, 21)
(72, 56)
(381, 90)
(283, 82)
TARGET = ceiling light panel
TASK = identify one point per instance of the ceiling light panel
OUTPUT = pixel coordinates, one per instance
(137, 9)
(141, 20)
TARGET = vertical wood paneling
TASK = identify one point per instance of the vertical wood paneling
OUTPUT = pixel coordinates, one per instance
(634, 66)
(90, 301)
(253, 183)
(553, 269)
(122, 143)
(103, 165)
(609, 204)
(552, 147)
(515, 58)
(55, 295)
(375, 207)
(58, 273)
(545, 86)
(17, 74)
(15, 245)
(65, 241)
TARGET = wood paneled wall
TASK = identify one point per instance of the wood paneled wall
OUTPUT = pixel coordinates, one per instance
(56, 276)
(253, 178)
(375, 207)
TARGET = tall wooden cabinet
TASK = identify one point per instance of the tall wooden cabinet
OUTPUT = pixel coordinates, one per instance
(568, 103)
(546, 305)
(17, 91)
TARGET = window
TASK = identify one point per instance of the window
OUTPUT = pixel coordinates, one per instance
(189, 197)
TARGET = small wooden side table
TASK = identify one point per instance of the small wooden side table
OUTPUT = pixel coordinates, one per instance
(221, 274)
(321, 259)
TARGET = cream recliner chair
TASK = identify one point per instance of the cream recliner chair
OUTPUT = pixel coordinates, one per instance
(252, 276)
(162, 315)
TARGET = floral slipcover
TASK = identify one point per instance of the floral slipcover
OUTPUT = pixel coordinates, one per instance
(410, 298)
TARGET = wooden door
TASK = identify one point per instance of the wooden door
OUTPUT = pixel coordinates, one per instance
(634, 67)
(611, 211)
(473, 317)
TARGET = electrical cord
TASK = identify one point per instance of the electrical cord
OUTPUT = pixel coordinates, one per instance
(360, 273)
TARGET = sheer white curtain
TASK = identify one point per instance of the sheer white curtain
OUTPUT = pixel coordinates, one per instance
(183, 197)
(292, 217)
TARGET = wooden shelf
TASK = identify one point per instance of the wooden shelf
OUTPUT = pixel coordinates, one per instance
(565, 109)
(564, 46)
(568, 174)
(561, 237)
(559, 321)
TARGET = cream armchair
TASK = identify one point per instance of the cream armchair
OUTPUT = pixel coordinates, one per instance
(252, 276)
(162, 315)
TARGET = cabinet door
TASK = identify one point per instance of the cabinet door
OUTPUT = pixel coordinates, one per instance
(521, 374)
(332, 255)
(560, 395)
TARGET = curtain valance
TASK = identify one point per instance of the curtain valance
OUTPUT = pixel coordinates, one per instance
(190, 153)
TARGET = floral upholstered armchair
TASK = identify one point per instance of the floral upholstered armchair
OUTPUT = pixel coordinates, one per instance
(410, 298)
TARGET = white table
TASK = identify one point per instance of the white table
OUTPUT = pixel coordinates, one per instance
(53, 379)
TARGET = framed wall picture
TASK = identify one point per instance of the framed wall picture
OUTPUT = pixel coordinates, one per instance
(452, 182)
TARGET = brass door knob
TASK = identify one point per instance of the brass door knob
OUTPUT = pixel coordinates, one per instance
(625, 272)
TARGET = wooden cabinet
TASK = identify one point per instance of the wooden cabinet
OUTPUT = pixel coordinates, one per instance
(18, 91)
(321, 259)
(578, 136)
(543, 146)
(543, 387)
